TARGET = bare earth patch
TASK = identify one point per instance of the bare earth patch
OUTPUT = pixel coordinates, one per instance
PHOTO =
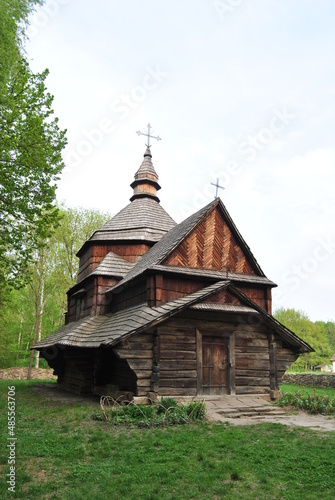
(21, 374)
(53, 392)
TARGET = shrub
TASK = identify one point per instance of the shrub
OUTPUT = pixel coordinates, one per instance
(312, 403)
(167, 412)
(196, 410)
(166, 404)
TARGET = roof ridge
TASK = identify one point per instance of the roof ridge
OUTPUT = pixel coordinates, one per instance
(162, 248)
(239, 236)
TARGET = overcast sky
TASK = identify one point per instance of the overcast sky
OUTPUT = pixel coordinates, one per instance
(240, 90)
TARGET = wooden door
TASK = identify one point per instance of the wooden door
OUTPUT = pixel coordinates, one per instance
(214, 365)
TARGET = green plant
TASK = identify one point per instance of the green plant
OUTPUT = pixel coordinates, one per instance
(166, 404)
(311, 402)
(196, 410)
(167, 412)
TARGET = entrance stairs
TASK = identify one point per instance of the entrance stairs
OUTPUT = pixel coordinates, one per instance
(241, 407)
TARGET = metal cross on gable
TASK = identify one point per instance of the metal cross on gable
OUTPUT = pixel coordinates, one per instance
(217, 185)
(148, 134)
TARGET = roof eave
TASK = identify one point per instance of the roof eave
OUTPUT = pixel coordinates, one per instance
(289, 336)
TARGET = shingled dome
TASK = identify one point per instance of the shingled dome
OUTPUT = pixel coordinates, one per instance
(144, 219)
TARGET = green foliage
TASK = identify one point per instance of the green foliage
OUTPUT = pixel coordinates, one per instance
(312, 403)
(166, 404)
(30, 156)
(13, 23)
(30, 163)
(56, 266)
(315, 334)
(330, 329)
(77, 225)
(167, 412)
(64, 454)
(196, 411)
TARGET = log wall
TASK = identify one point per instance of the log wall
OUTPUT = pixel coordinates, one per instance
(77, 371)
(258, 294)
(178, 360)
(162, 288)
(259, 357)
(252, 362)
(166, 360)
(97, 251)
(132, 296)
(138, 351)
(94, 300)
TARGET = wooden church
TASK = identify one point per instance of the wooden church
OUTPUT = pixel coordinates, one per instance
(161, 308)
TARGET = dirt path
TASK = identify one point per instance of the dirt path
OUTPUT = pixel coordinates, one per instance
(247, 410)
(299, 419)
(21, 374)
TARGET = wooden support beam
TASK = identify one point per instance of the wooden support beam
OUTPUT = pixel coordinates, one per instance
(199, 361)
(273, 362)
(154, 382)
(231, 364)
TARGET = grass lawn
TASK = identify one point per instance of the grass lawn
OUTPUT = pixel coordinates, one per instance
(62, 453)
(309, 390)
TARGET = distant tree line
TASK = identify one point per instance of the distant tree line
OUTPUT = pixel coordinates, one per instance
(319, 334)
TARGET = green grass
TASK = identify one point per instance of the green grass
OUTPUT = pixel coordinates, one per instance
(311, 399)
(308, 390)
(62, 453)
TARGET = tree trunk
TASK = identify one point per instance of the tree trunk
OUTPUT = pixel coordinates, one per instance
(38, 289)
(40, 317)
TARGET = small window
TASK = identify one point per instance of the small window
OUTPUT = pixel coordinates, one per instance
(80, 306)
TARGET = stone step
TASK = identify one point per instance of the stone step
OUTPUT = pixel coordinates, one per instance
(251, 412)
(235, 414)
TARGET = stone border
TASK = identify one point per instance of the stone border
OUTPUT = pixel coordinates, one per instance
(310, 379)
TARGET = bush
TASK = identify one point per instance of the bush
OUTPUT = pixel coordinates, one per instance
(167, 412)
(312, 403)
(166, 404)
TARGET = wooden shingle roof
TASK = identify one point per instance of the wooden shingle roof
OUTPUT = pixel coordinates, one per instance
(213, 273)
(146, 170)
(269, 320)
(158, 253)
(144, 219)
(113, 265)
(108, 330)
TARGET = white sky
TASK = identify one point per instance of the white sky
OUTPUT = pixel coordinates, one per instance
(240, 90)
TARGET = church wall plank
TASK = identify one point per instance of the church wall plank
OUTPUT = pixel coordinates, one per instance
(138, 351)
(137, 294)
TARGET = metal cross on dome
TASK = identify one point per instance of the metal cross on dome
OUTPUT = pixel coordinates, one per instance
(217, 185)
(149, 136)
